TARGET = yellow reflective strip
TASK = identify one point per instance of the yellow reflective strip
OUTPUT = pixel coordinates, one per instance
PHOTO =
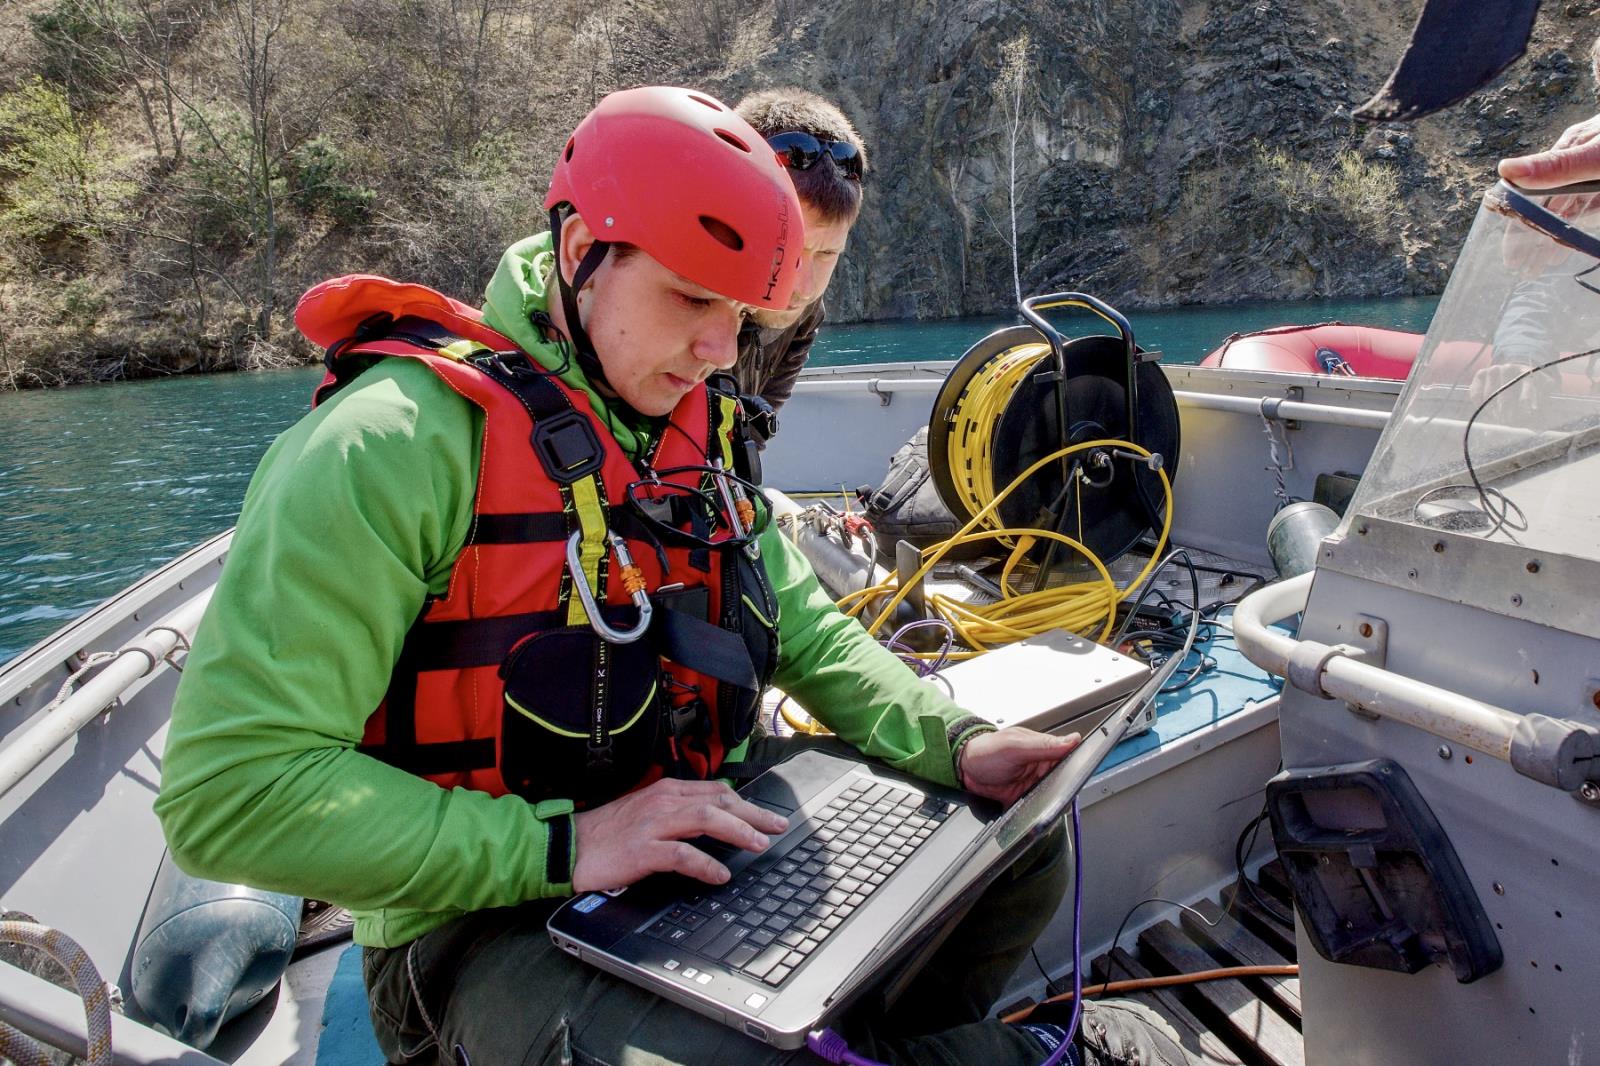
(728, 407)
(755, 611)
(520, 709)
(592, 521)
(623, 728)
(463, 349)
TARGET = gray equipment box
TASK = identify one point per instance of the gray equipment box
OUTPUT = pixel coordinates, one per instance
(1056, 682)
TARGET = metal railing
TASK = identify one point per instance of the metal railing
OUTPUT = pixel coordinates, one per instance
(81, 701)
(1553, 751)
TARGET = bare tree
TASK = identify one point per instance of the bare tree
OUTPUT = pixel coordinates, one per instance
(1012, 79)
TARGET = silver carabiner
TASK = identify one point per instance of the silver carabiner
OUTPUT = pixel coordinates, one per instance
(733, 495)
(641, 598)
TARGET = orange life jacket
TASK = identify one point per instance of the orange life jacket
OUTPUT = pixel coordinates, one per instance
(502, 684)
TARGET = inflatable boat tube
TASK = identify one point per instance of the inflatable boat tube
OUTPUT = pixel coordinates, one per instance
(1327, 348)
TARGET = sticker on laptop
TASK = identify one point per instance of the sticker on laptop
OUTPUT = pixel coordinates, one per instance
(588, 903)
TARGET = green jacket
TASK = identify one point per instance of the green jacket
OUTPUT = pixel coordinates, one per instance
(355, 515)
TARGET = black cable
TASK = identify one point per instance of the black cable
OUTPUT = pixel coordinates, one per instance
(1169, 639)
(1240, 850)
(1450, 520)
(1150, 585)
(1466, 451)
(1111, 952)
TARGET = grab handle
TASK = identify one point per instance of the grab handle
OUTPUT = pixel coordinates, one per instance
(1552, 751)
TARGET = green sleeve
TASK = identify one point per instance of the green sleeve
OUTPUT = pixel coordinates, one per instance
(354, 516)
(852, 684)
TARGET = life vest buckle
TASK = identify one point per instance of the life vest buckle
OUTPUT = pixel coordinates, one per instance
(632, 579)
(567, 447)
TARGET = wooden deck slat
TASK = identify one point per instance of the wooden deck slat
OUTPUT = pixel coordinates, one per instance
(1252, 1021)
(1234, 945)
(1276, 882)
(1254, 918)
(1203, 1046)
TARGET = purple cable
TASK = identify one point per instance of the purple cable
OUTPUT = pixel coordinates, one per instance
(1060, 1053)
(830, 1046)
(923, 669)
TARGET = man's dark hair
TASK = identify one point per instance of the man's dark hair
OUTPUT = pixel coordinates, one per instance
(823, 187)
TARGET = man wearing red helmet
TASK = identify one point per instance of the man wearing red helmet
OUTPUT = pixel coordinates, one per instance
(429, 686)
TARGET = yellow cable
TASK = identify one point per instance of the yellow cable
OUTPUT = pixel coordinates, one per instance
(1101, 604)
(1079, 607)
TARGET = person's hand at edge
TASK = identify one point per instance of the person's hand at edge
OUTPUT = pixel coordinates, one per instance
(1006, 763)
(648, 831)
(1574, 157)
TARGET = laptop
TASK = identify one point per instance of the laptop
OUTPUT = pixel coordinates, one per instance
(872, 868)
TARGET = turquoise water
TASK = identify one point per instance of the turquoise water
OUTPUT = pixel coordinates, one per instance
(99, 484)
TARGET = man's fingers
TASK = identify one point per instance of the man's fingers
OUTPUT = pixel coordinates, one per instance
(679, 857)
(1558, 166)
(721, 795)
(1581, 133)
(708, 819)
(1042, 747)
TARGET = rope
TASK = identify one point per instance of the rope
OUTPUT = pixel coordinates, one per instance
(1275, 460)
(1080, 607)
(76, 678)
(91, 988)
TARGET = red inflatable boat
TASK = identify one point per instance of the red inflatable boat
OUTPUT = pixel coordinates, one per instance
(1325, 348)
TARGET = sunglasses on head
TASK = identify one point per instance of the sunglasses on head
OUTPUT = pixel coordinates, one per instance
(802, 151)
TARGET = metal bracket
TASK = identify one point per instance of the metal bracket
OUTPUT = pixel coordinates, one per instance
(883, 397)
(1370, 638)
(1271, 404)
(1368, 641)
(1307, 662)
(1555, 751)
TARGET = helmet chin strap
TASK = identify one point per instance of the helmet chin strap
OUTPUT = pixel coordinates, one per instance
(582, 346)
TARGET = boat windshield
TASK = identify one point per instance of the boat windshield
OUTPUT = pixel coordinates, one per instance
(1497, 432)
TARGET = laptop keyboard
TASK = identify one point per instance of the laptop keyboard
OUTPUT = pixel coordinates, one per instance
(775, 912)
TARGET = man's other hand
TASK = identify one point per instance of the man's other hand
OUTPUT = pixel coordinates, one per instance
(648, 831)
(1006, 763)
(1574, 157)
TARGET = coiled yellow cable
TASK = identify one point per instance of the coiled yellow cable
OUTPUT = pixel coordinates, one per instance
(1079, 607)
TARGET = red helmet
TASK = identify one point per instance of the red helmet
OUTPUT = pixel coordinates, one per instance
(684, 178)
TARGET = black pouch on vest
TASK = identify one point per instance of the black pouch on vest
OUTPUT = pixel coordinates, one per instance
(581, 716)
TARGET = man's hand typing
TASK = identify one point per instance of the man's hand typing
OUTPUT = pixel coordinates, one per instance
(648, 831)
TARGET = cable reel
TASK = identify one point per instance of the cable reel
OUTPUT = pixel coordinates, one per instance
(1024, 392)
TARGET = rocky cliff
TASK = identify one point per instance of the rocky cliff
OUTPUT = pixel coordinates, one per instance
(181, 169)
(1168, 152)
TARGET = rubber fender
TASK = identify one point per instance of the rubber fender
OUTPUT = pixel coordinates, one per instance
(207, 951)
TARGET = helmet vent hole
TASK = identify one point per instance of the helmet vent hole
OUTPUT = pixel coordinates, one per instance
(712, 104)
(567, 155)
(722, 233)
(736, 142)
